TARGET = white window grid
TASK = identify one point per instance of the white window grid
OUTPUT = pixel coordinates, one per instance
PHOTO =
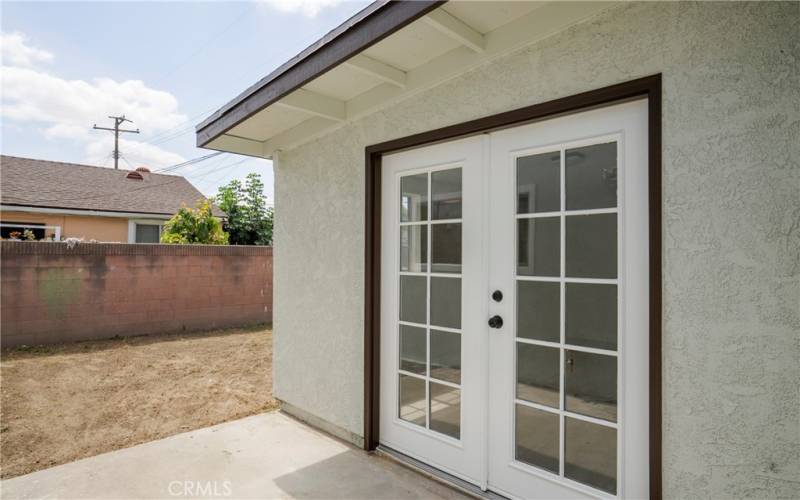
(562, 345)
(427, 326)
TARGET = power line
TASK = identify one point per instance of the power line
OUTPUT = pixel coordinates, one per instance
(129, 163)
(205, 44)
(189, 121)
(206, 174)
(279, 55)
(118, 120)
(193, 161)
(106, 158)
(143, 188)
(180, 130)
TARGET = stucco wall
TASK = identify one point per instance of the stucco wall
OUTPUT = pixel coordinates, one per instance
(731, 116)
(109, 229)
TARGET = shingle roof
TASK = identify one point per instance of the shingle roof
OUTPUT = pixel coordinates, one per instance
(51, 184)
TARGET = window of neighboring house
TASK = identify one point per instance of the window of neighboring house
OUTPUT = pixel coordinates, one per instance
(148, 233)
(8, 227)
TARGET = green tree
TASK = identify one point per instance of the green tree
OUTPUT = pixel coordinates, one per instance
(194, 226)
(249, 220)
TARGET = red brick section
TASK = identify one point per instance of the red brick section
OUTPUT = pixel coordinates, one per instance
(51, 293)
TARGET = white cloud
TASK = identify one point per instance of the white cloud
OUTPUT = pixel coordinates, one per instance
(30, 95)
(66, 109)
(14, 51)
(309, 8)
(67, 131)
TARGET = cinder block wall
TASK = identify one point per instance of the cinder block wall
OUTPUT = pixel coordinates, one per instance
(51, 293)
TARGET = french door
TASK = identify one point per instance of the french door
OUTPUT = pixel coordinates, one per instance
(514, 313)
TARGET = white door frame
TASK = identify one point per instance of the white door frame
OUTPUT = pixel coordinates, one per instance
(646, 87)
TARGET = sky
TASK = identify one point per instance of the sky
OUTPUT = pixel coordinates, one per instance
(165, 65)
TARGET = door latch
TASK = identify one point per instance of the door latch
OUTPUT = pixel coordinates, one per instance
(496, 321)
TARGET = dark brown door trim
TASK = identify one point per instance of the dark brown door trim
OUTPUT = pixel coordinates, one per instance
(649, 87)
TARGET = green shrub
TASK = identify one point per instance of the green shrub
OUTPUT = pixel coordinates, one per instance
(194, 226)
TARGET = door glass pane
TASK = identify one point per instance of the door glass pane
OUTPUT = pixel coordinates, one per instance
(446, 248)
(590, 386)
(538, 310)
(413, 349)
(591, 315)
(412, 399)
(539, 183)
(413, 298)
(446, 410)
(590, 454)
(538, 374)
(414, 248)
(446, 194)
(446, 356)
(446, 302)
(591, 176)
(538, 243)
(552, 310)
(414, 198)
(591, 246)
(537, 437)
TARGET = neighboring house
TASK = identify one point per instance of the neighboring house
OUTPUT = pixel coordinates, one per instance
(66, 200)
(546, 249)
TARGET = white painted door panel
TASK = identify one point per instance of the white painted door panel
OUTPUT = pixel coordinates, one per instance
(536, 396)
(418, 417)
(553, 404)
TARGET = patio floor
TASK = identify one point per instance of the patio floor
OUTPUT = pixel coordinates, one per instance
(270, 455)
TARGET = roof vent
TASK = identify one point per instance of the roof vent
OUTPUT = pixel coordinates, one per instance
(143, 169)
(135, 175)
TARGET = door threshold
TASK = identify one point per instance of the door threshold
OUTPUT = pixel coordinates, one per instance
(437, 475)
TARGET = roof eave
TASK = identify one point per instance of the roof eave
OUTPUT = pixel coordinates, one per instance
(374, 23)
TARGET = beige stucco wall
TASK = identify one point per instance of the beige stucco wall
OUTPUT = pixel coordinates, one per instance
(731, 229)
(108, 229)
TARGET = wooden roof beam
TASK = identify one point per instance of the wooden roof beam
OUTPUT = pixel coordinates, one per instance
(377, 69)
(456, 29)
(315, 104)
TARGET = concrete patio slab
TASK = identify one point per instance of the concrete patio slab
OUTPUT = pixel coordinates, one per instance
(264, 456)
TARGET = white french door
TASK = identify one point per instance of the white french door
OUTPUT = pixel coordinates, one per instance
(433, 388)
(514, 306)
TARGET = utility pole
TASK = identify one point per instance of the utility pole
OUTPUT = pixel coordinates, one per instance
(118, 120)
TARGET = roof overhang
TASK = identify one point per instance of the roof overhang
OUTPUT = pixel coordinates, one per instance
(382, 55)
(5, 207)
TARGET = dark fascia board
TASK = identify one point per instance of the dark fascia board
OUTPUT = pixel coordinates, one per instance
(371, 25)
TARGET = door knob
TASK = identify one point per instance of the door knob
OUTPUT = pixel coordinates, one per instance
(496, 321)
(497, 296)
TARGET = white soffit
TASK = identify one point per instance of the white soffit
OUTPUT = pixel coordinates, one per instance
(443, 44)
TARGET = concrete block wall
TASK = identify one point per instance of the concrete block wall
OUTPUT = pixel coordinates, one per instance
(51, 293)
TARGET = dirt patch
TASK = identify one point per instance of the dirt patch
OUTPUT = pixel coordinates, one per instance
(65, 402)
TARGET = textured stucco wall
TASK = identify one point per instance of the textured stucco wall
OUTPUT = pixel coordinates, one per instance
(731, 118)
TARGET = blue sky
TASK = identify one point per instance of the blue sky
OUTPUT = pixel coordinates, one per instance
(166, 65)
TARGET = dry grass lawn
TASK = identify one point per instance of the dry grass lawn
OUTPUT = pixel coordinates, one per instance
(65, 402)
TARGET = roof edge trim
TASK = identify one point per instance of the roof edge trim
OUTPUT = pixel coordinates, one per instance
(374, 23)
(14, 207)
